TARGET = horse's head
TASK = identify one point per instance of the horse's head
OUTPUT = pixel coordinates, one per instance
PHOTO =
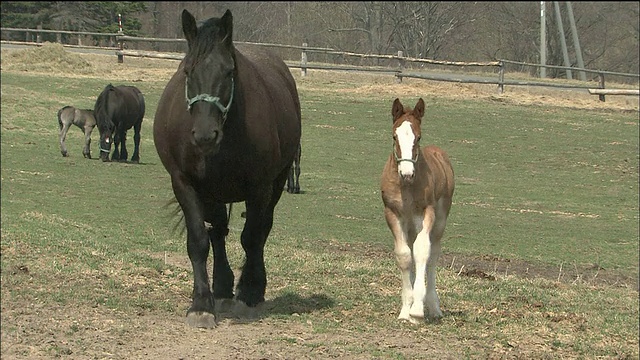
(106, 132)
(406, 137)
(209, 69)
(105, 124)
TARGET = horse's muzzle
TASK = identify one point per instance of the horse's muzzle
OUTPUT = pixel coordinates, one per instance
(207, 141)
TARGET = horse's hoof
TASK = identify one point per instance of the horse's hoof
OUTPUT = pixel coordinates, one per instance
(243, 311)
(64, 154)
(224, 305)
(201, 319)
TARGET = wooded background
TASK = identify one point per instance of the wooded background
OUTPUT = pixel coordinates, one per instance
(461, 31)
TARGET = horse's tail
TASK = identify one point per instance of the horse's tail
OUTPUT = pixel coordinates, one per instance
(141, 101)
(177, 215)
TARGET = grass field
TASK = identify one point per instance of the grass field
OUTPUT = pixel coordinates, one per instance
(91, 266)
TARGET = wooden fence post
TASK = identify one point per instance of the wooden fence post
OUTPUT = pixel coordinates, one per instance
(119, 52)
(400, 67)
(120, 42)
(303, 61)
(501, 77)
(59, 38)
(38, 36)
(601, 81)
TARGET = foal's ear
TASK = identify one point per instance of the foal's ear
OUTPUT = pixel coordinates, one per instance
(189, 27)
(226, 27)
(418, 111)
(397, 109)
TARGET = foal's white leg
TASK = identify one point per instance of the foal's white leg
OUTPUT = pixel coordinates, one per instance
(404, 262)
(432, 300)
(421, 251)
(403, 259)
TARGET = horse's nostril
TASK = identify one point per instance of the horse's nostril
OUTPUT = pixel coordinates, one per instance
(206, 139)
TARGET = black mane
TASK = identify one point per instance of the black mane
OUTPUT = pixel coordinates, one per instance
(205, 42)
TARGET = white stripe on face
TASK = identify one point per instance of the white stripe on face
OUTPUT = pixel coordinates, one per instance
(405, 139)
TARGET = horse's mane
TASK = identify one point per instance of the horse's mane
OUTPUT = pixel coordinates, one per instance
(101, 109)
(208, 38)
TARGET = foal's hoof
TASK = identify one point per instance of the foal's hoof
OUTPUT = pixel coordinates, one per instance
(405, 317)
(64, 154)
(201, 319)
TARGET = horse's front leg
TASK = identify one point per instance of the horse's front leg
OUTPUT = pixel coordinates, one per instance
(201, 312)
(136, 143)
(253, 281)
(404, 260)
(422, 254)
(222, 274)
(86, 151)
(116, 144)
(64, 128)
(123, 146)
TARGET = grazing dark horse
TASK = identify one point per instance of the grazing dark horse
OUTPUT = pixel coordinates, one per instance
(82, 118)
(417, 189)
(293, 181)
(118, 109)
(227, 129)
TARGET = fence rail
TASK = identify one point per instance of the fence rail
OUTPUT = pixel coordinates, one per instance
(397, 64)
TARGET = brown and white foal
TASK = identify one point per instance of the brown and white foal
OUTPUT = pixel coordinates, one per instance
(417, 188)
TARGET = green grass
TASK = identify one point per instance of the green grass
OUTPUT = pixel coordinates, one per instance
(548, 185)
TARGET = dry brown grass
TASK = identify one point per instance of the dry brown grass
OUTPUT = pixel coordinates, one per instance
(53, 59)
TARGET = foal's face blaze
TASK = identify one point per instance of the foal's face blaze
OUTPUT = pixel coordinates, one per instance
(407, 145)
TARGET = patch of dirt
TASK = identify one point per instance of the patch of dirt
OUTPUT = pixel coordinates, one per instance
(40, 329)
(491, 267)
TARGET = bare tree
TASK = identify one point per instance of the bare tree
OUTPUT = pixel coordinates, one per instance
(422, 28)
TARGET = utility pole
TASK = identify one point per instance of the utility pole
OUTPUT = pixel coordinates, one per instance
(543, 41)
(576, 42)
(563, 42)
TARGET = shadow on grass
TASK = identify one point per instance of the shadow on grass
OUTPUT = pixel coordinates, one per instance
(286, 304)
(291, 303)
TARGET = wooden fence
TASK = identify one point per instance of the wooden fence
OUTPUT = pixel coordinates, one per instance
(397, 65)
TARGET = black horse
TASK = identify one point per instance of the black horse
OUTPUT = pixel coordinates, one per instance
(227, 129)
(118, 109)
(293, 181)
